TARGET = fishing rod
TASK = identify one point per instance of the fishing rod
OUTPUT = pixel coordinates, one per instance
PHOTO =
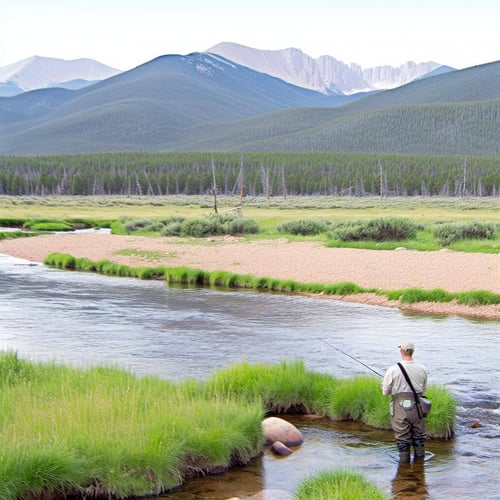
(352, 357)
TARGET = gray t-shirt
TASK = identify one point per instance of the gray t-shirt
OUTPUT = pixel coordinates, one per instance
(394, 381)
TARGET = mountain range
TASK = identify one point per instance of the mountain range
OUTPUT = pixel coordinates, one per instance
(208, 102)
(324, 74)
(44, 72)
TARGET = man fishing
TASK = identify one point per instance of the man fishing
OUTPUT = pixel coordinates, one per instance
(406, 418)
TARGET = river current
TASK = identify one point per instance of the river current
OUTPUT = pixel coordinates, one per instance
(175, 333)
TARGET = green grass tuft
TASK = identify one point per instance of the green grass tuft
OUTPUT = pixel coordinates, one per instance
(340, 484)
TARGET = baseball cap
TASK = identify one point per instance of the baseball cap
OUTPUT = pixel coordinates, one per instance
(406, 346)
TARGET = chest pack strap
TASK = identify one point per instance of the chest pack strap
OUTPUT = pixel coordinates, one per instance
(417, 400)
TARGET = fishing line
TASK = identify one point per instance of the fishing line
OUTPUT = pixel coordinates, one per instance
(352, 357)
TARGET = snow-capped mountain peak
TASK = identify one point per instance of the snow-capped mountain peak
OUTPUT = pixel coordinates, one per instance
(41, 72)
(324, 74)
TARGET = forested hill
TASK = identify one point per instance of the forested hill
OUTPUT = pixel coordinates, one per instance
(202, 103)
(453, 113)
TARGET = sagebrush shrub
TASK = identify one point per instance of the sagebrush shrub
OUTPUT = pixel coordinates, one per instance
(302, 227)
(383, 229)
(448, 233)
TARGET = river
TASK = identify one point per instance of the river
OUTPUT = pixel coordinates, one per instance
(174, 333)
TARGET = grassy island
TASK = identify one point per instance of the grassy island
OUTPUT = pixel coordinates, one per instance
(105, 432)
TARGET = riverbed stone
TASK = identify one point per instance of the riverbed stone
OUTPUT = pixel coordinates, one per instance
(280, 449)
(277, 429)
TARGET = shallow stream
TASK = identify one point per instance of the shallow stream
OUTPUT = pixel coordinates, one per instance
(175, 333)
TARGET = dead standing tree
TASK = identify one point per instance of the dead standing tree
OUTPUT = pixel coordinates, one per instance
(214, 187)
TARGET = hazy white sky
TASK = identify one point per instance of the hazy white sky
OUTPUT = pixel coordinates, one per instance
(125, 33)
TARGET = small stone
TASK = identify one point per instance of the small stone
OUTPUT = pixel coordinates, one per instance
(280, 449)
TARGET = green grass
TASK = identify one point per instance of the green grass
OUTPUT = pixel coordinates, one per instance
(340, 484)
(7, 235)
(472, 298)
(268, 212)
(100, 211)
(287, 387)
(360, 399)
(105, 432)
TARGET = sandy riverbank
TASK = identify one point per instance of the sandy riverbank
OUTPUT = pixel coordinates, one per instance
(300, 261)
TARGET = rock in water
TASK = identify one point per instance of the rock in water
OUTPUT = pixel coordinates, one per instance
(280, 449)
(277, 429)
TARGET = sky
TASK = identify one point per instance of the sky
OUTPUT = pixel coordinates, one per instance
(126, 33)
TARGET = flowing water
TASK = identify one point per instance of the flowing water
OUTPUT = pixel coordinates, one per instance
(175, 333)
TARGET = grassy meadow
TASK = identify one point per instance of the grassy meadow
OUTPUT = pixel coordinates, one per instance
(104, 433)
(269, 214)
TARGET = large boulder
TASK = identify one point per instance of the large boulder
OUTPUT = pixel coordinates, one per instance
(277, 429)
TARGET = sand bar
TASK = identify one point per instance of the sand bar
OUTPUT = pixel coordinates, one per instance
(299, 261)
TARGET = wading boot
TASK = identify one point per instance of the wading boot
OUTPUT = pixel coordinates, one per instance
(404, 449)
(419, 449)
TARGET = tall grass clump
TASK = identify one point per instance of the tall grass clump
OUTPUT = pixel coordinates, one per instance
(14, 370)
(186, 276)
(302, 227)
(47, 225)
(441, 421)
(473, 298)
(361, 399)
(102, 432)
(383, 229)
(412, 295)
(150, 273)
(62, 261)
(284, 388)
(340, 484)
(7, 235)
(12, 222)
(478, 297)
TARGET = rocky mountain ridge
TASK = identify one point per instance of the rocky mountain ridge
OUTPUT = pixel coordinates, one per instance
(324, 74)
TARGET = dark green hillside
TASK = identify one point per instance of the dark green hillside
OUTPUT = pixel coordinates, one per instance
(198, 88)
(31, 105)
(148, 108)
(205, 103)
(453, 113)
(479, 83)
(469, 129)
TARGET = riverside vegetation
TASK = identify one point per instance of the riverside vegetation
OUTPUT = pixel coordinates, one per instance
(199, 277)
(104, 433)
(372, 232)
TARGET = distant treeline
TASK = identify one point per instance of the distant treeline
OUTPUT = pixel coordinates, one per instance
(253, 174)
